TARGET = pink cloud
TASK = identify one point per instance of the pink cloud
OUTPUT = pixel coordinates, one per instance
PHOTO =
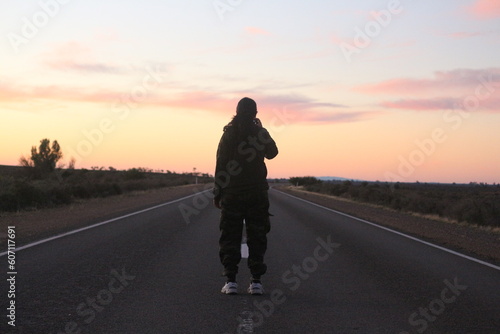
(299, 109)
(86, 67)
(344, 116)
(473, 89)
(469, 103)
(484, 9)
(77, 94)
(422, 104)
(456, 82)
(194, 100)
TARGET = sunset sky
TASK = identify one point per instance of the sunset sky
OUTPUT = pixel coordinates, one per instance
(374, 90)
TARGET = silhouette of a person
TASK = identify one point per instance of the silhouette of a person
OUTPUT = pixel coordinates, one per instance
(241, 192)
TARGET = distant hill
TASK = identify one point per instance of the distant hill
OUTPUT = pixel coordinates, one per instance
(334, 178)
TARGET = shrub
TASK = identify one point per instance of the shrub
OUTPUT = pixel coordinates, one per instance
(474, 204)
(134, 174)
(18, 191)
(304, 181)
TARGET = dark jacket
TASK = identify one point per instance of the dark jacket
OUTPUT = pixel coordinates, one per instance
(240, 160)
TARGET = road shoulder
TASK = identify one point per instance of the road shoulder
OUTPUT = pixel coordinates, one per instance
(470, 240)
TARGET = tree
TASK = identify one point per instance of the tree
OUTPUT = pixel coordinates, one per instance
(72, 163)
(44, 159)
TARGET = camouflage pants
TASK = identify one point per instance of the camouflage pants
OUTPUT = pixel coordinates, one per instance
(253, 208)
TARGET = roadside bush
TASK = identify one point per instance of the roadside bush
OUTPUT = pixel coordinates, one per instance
(134, 174)
(485, 212)
(21, 195)
(8, 202)
(79, 191)
(304, 181)
(106, 189)
(18, 191)
(58, 196)
(473, 203)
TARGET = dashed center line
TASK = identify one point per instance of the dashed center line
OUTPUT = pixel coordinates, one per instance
(244, 251)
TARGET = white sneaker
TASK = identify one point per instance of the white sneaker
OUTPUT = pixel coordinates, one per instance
(230, 288)
(255, 289)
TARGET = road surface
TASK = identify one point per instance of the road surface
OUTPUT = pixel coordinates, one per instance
(158, 271)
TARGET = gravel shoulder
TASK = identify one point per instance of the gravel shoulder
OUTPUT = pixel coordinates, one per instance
(470, 240)
(37, 225)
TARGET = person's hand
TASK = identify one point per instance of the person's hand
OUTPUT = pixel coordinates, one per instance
(217, 203)
(257, 122)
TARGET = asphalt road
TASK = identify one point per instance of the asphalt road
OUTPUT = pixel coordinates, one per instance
(158, 272)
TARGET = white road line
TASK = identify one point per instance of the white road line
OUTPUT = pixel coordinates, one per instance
(99, 224)
(244, 251)
(398, 233)
(246, 325)
(244, 246)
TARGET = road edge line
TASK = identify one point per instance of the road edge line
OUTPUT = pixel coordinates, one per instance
(470, 258)
(58, 236)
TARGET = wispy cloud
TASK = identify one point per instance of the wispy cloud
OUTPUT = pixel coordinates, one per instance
(445, 90)
(302, 109)
(490, 104)
(422, 104)
(75, 56)
(342, 116)
(298, 101)
(53, 92)
(459, 81)
(459, 35)
(193, 100)
(87, 67)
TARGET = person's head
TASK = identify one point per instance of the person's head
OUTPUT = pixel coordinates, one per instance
(246, 109)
